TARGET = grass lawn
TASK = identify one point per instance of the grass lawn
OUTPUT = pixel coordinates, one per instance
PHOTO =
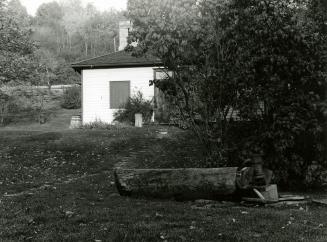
(58, 186)
(59, 120)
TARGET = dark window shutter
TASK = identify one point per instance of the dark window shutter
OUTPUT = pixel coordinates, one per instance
(119, 93)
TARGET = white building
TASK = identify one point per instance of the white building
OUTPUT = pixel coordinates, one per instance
(109, 80)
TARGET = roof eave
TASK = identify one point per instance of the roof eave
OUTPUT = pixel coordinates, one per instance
(78, 68)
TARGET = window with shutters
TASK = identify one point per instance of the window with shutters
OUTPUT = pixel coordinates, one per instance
(119, 93)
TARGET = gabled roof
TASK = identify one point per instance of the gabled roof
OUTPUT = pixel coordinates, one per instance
(117, 59)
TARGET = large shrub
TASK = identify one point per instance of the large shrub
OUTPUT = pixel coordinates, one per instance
(72, 98)
(135, 104)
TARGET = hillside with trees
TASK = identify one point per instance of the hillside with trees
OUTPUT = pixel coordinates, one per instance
(60, 33)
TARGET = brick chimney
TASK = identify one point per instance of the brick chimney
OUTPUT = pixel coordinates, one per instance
(124, 27)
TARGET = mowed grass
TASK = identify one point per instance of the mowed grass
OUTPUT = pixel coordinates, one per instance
(59, 119)
(59, 186)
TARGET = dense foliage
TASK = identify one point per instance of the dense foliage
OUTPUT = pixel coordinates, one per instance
(17, 62)
(279, 58)
(261, 62)
(71, 98)
(134, 105)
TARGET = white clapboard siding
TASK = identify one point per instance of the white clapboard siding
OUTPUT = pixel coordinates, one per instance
(95, 86)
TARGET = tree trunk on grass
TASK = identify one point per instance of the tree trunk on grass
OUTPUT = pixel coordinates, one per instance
(181, 184)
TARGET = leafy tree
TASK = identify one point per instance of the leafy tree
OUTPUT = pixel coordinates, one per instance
(257, 61)
(19, 11)
(187, 36)
(49, 14)
(16, 48)
(278, 61)
(48, 29)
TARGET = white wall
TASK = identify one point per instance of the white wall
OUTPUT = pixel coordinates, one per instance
(95, 90)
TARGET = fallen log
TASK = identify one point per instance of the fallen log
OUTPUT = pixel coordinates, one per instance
(181, 184)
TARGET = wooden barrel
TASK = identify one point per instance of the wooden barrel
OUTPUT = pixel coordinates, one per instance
(75, 122)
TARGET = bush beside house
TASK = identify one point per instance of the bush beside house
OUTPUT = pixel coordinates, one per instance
(71, 98)
(135, 104)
